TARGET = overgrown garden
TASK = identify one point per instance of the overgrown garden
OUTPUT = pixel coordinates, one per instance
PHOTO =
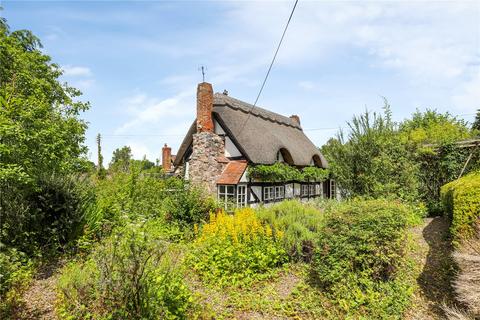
(141, 245)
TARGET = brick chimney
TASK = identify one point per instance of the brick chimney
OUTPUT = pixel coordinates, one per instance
(204, 107)
(167, 158)
(295, 118)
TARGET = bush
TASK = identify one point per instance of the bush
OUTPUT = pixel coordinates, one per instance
(299, 224)
(49, 216)
(136, 194)
(360, 257)
(461, 202)
(15, 275)
(134, 274)
(236, 249)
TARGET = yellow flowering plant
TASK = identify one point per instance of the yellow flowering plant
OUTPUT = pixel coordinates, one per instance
(236, 249)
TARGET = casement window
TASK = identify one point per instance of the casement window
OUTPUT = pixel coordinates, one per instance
(318, 189)
(333, 189)
(226, 195)
(312, 189)
(279, 192)
(268, 193)
(241, 196)
(304, 190)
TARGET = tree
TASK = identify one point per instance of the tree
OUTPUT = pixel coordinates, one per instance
(476, 122)
(430, 137)
(372, 161)
(121, 159)
(432, 127)
(40, 132)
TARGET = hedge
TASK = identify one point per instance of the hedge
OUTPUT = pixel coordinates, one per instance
(461, 202)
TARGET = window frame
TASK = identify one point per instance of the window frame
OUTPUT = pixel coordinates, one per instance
(303, 188)
(333, 189)
(268, 193)
(279, 192)
(224, 196)
(240, 195)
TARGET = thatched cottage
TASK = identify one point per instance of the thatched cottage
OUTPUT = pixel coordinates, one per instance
(230, 145)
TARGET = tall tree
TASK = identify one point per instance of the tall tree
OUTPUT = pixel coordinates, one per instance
(371, 160)
(41, 134)
(121, 158)
(476, 122)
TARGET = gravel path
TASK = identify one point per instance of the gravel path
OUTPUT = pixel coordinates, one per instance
(434, 254)
(39, 299)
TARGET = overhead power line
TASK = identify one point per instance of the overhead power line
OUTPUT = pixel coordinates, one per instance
(269, 68)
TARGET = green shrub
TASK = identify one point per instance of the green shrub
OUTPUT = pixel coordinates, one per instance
(299, 223)
(133, 274)
(461, 202)
(236, 249)
(15, 275)
(49, 216)
(360, 258)
(137, 194)
(185, 203)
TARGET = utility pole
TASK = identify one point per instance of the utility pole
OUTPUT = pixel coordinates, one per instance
(100, 157)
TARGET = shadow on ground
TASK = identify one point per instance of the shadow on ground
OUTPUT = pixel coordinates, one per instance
(436, 279)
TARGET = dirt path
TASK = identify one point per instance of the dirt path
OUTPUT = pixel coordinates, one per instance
(39, 299)
(434, 254)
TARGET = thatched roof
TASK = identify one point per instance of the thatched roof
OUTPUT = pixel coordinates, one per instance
(263, 135)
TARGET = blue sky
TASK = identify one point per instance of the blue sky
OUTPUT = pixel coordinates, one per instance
(137, 61)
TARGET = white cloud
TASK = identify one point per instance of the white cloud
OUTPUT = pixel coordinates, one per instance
(76, 71)
(424, 40)
(140, 149)
(146, 110)
(306, 85)
(468, 99)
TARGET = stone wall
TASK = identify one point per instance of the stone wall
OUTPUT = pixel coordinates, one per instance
(207, 160)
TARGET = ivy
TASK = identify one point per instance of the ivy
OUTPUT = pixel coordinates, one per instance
(279, 172)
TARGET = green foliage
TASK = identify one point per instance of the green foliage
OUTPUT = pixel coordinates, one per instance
(121, 159)
(430, 137)
(360, 258)
(461, 201)
(300, 224)
(410, 161)
(41, 142)
(236, 249)
(372, 162)
(476, 123)
(15, 274)
(433, 127)
(279, 172)
(49, 216)
(134, 274)
(141, 193)
(315, 174)
(39, 126)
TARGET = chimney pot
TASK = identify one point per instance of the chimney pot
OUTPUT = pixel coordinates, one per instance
(166, 158)
(295, 118)
(204, 107)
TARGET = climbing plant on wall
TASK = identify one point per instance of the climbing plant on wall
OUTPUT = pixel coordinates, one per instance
(279, 172)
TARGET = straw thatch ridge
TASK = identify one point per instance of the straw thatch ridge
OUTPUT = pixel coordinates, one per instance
(262, 136)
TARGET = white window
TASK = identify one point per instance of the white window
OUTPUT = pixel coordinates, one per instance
(241, 196)
(317, 189)
(268, 193)
(297, 189)
(279, 192)
(333, 189)
(312, 189)
(304, 190)
(226, 196)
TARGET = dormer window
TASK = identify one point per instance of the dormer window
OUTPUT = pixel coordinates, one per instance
(283, 155)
